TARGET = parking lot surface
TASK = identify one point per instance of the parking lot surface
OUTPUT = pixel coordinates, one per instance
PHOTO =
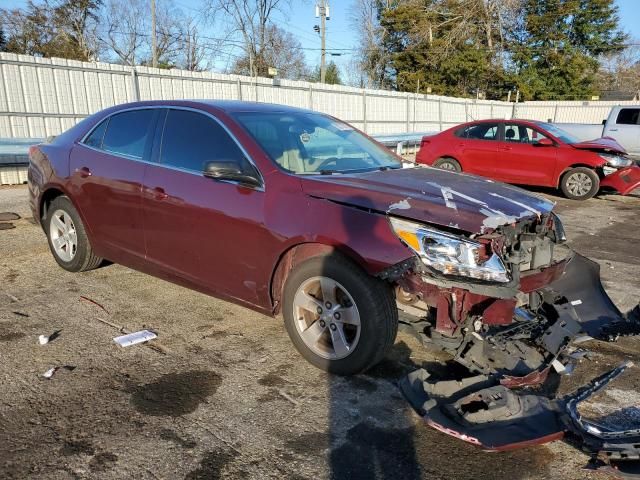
(226, 395)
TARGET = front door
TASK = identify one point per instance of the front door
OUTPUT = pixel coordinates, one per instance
(522, 159)
(207, 231)
(106, 177)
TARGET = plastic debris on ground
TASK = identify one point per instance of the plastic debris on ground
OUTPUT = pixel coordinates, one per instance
(135, 338)
(44, 339)
(49, 373)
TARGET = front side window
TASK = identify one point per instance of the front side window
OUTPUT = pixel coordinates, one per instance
(482, 131)
(557, 132)
(127, 132)
(628, 116)
(521, 134)
(191, 140)
(312, 143)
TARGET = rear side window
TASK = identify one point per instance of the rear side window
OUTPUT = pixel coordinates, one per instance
(127, 132)
(628, 116)
(483, 131)
(191, 139)
(95, 139)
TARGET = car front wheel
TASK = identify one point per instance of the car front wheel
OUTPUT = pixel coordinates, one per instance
(67, 237)
(338, 317)
(580, 183)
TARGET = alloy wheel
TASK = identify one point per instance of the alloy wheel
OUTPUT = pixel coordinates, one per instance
(64, 238)
(326, 318)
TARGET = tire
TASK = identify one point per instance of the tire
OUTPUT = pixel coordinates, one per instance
(374, 305)
(63, 225)
(580, 183)
(446, 163)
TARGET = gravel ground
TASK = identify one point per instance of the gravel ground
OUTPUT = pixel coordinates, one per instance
(229, 397)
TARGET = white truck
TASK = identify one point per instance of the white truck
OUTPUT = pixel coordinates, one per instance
(623, 124)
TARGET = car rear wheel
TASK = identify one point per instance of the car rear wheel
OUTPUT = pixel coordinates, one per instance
(67, 237)
(338, 317)
(580, 183)
(448, 164)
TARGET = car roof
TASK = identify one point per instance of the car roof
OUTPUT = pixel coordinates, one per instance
(228, 106)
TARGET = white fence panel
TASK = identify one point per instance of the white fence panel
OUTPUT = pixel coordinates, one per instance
(42, 96)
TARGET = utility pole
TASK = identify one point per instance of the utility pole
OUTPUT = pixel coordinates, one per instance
(154, 41)
(322, 11)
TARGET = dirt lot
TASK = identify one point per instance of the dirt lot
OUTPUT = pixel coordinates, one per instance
(230, 397)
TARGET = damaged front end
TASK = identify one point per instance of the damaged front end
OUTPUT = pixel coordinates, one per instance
(523, 299)
(510, 305)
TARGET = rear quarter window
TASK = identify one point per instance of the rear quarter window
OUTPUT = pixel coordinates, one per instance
(628, 116)
(95, 138)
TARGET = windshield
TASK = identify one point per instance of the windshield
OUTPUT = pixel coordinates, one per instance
(311, 143)
(566, 137)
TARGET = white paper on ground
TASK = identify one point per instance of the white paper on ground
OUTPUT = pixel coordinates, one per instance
(135, 337)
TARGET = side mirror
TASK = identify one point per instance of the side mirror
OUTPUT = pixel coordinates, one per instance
(228, 170)
(544, 142)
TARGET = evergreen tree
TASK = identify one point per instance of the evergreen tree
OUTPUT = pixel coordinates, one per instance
(331, 75)
(556, 55)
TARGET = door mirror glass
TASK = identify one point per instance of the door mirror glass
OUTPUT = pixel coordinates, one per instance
(228, 170)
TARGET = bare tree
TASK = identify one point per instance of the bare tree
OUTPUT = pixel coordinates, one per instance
(621, 71)
(124, 29)
(250, 20)
(281, 51)
(372, 58)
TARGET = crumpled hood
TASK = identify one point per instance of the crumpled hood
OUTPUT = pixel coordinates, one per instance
(428, 195)
(604, 144)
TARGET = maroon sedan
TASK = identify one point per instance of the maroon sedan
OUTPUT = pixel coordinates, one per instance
(282, 209)
(532, 153)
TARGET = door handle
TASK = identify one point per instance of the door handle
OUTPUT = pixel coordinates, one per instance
(613, 129)
(84, 172)
(159, 193)
(506, 148)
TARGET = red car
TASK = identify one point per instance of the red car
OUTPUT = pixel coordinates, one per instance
(532, 153)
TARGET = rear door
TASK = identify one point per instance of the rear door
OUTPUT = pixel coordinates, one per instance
(107, 168)
(477, 148)
(626, 129)
(522, 159)
(208, 232)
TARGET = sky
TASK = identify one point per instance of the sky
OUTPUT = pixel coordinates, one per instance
(340, 32)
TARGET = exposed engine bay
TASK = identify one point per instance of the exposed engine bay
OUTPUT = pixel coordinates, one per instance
(510, 336)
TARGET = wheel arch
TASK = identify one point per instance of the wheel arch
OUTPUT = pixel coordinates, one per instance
(49, 194)
(297, 254)
(571, 167)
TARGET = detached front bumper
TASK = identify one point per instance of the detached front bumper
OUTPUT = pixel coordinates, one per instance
(624, 181)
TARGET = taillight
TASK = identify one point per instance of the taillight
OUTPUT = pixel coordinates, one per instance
(32, 150)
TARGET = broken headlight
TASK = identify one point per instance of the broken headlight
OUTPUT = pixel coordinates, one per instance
(450, 254)
(615, 161)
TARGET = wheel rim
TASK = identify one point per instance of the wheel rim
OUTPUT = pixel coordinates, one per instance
(448, 166)
(326, 318)
(64, 238)
(579, 184)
